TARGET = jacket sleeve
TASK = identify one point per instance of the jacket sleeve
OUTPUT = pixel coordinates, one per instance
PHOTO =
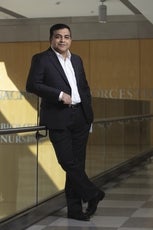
(35, 81)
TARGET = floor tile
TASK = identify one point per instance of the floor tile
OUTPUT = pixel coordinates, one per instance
(78, 228)
(36, 227)
(115, 211)
(143, 212)
(134, 229)
(128, 205)
(131, 191)
(96, 221)
(151, 198)
(148, 204)
(126, 197)
(121, 204)
(137, 222)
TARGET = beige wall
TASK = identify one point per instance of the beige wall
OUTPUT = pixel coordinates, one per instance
(108, 63)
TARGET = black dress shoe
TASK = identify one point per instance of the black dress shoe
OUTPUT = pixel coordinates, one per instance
(79, 216)
(93, 203)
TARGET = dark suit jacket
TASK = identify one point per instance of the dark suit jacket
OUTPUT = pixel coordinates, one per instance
(47, 79)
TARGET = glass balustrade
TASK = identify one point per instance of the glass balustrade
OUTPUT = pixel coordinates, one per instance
(29, 171)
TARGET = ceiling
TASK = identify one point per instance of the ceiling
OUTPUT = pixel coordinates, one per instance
(12, 9)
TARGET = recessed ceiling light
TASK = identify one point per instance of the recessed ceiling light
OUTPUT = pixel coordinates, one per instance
(58, 3)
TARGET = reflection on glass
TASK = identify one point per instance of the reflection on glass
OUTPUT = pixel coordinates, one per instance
(18, 109)
(51, 177)
(115, 142)
(29, 171)
(18, 164)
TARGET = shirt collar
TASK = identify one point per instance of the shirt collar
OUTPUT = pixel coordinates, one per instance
(59, 55)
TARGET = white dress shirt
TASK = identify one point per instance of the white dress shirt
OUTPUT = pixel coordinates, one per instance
(69, 72)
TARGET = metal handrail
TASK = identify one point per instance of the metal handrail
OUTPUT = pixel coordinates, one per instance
(125, 118)
(96, 121)
(22, 129)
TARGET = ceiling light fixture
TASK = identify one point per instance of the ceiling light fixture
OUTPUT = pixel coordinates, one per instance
(102, 12)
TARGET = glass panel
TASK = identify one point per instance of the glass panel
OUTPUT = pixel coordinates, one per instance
(131, 137)
(146, 142)
(30, 173)
(18, 173)
(18, 153)
(17, 109)
(95, 160)
(51, 177)
(114, 144)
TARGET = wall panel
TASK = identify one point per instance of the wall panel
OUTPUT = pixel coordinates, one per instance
(82, 48)
(146, 66)
(114, 66)
(16, 58)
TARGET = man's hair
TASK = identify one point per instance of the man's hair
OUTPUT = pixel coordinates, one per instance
(58, 27)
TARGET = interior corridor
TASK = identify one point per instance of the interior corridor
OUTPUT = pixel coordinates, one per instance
(128, 205)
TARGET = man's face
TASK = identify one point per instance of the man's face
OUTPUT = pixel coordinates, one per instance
(61, 40)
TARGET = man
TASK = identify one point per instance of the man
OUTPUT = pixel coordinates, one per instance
(58, 77)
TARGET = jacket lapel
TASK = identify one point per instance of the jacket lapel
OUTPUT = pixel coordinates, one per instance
(56, 63)
(75, 67)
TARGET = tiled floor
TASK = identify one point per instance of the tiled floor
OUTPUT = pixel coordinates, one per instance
(128, 205)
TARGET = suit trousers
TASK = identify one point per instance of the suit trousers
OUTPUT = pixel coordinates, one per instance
(70, 147)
